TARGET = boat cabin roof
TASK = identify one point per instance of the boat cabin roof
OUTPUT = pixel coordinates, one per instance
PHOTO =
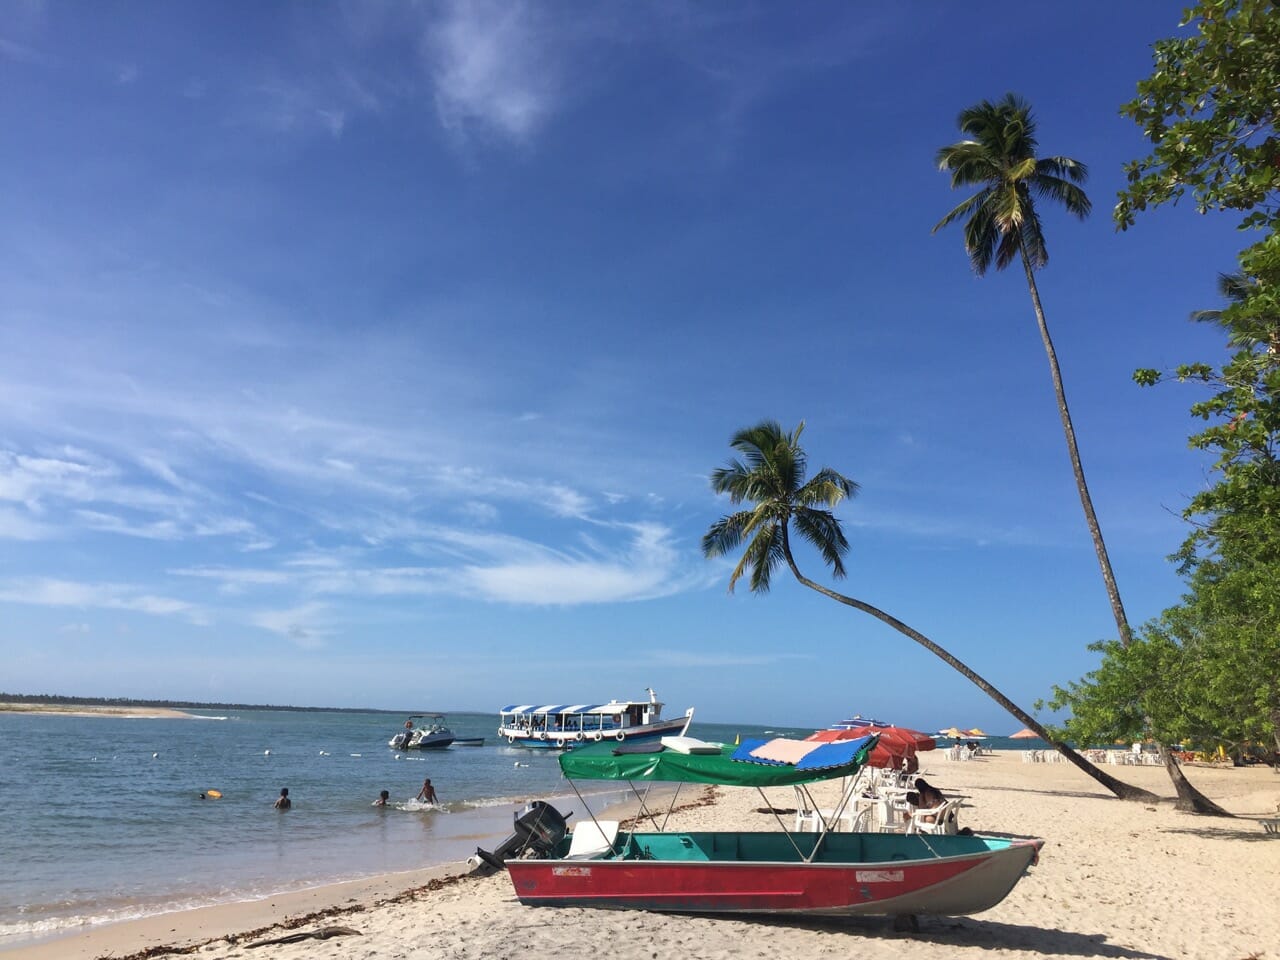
(616, 706)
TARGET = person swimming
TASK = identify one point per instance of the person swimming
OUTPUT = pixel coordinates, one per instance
(383, 797)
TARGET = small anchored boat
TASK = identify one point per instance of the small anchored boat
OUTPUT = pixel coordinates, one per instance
(778, 872)
(564, 726)
(431, 733)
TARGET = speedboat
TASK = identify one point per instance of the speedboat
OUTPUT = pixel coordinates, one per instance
(431, 733)
(563, 726)
(778, 872)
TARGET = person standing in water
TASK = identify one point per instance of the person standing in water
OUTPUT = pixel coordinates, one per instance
(283, 802)
(428, 793)
(383, 797)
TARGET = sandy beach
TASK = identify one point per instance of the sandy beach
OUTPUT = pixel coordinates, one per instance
(91, 710)
(1117, 880)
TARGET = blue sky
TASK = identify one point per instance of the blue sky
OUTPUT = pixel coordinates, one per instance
(377, 354)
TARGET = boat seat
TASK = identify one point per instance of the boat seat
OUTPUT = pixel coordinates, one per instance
(592, 839)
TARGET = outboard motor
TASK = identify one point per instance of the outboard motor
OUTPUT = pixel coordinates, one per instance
(539, 828)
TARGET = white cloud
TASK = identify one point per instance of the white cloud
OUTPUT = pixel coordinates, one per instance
(51, 592)
(647, 567)
(301, 625)
(19, 526)
(492, 67)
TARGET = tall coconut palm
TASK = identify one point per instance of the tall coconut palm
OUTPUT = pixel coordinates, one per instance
(771, 477)
(1001, 223)
(1000, 159)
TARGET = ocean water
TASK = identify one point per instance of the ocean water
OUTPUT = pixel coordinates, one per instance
(103, 819)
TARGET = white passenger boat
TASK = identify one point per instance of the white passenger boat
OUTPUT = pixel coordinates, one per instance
(563, 726)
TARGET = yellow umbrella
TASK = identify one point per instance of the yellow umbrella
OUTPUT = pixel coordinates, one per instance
(951, 732)
(976, 732)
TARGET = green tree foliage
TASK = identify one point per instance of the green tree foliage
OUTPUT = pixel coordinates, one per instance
(1207, 671)
(1209, 109)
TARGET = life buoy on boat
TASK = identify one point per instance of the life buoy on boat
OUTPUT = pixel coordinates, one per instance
(619, 736)
(597, 736)
(510, 739)
(578, 735)
(560, 742)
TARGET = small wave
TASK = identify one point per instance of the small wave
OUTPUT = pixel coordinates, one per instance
(419, 805)
(201, 716)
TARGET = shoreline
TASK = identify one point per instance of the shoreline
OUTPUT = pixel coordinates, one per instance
(92, 710)
(1116, 880)
(180, 930)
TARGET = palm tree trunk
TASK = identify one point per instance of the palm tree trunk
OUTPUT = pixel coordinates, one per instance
(1068, 428)
(1122, 790)
(1189, 798)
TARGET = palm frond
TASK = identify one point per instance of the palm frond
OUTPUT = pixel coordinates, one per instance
(960, 211)
(1063, 167)
(968, 162)
(1031, 239)
(762, 555)
(724, 535)
(821, 529)
(826, 487)
(731, 479)
(1053, 188)
(981, 238)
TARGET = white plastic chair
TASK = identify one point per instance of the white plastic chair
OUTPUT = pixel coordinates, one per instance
(813, 820)
(942, 819)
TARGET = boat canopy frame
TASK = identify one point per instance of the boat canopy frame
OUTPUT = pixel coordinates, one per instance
(732, 765)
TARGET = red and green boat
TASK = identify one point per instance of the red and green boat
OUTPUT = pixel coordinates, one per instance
(768, 872)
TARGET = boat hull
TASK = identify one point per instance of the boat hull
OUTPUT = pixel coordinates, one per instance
(434, 741)
(969, 876)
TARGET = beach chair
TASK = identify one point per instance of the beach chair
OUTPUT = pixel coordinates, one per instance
(811, 819)
(942, 819)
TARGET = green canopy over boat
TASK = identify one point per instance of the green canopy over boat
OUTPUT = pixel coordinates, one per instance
(732, 766)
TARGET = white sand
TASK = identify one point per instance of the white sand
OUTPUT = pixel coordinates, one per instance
(91, 710)
(1115, 880)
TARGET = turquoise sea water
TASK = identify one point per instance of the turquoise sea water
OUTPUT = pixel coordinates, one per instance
(103, 821)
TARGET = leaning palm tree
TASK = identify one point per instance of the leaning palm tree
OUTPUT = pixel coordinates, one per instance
(771, 477)
(999, 158)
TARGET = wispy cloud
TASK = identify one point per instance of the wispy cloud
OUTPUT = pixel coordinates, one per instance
(21, 53)
(50, 592)
(493, 67)
(303, 625)
(488, 567)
